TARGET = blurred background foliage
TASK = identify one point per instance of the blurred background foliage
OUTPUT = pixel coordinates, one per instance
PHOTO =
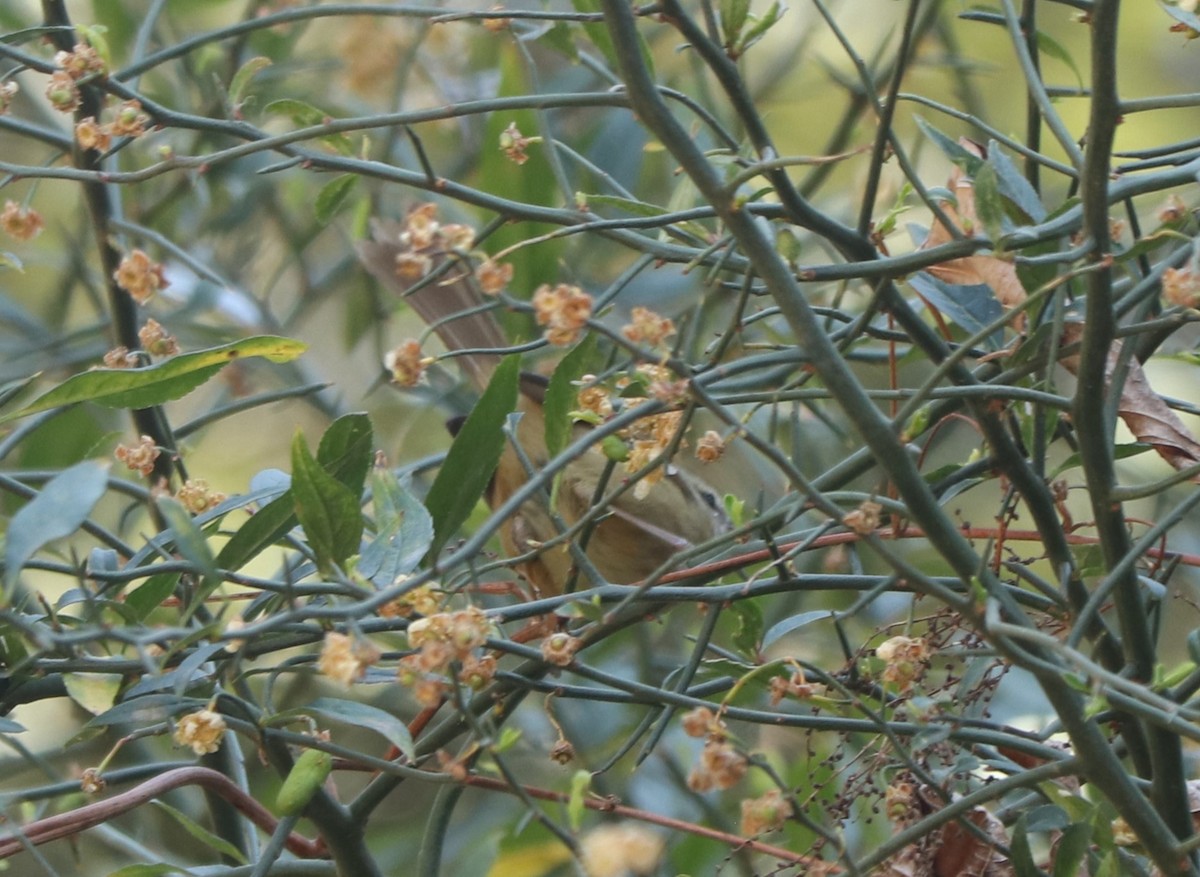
(258, 241)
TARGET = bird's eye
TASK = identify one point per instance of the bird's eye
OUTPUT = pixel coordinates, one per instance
(711, 500)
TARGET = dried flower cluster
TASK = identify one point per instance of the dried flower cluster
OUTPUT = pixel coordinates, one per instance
(514, 144)
(140, 276)
(345, 658)
(620, 850)
(1181, 287)
(156, 340)
(425, 600)
(197, 496)
(442, 640)
(140, 457)
(22, 223)
(907, 658)
(864, 519)
(564, 310)
(765, 813)
(201, 730)
(406, 363)
(647, 327)
(720, 765)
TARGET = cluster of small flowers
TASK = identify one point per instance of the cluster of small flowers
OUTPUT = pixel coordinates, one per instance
(443, 639)
(121, 357)
(156, 340)
(765, 813)
(514, 144)
(140, 276)
(201, 730)
(21, 223)
(864, 519)
(796, 686)
(425, 600)
(1181, 287)
(907, 658)
(564, 310)
(720, 765)
(345, 658)
(647, 327)
(128, 120)
(8, 91)
(80, 64)
(406, 363)
(141, 457)
(197, 496)
(620, 849)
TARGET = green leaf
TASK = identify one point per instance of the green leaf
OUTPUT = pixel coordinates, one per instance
(733, 19)
(347, 450)
(581, 784)
(159, 383)
(148, 596)
(562, 395)
(305, 115)
(189, 539)
(241, 79)
(95, 692)
(58, 510)
(759, 28)
(473, 456)
(156, 870)
(403, 531)
(146, 710)
(351, 712)
(988, 205)
(264, 528)
(794, 623)
(202, 834)
(971, 306)
(327, 509)
(333, 196)
(1073, 846)
(965, 159)
(1013, 185)
(1047, 45)
(747, 638)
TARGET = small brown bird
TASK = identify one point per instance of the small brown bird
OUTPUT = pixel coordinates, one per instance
(634, 536)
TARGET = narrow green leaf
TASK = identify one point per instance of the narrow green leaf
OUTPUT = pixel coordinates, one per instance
(473, 456)
(333, 196)
(352, 712)
(1013, 185)
(202, 834)
(759, 27)
(562, 394)
(794, 623)
(327, 510)
(159, 383)
(146, 710)
(58, 510)
(189, 539)
(971, 306)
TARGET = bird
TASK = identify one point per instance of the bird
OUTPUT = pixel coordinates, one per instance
(637, 532)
